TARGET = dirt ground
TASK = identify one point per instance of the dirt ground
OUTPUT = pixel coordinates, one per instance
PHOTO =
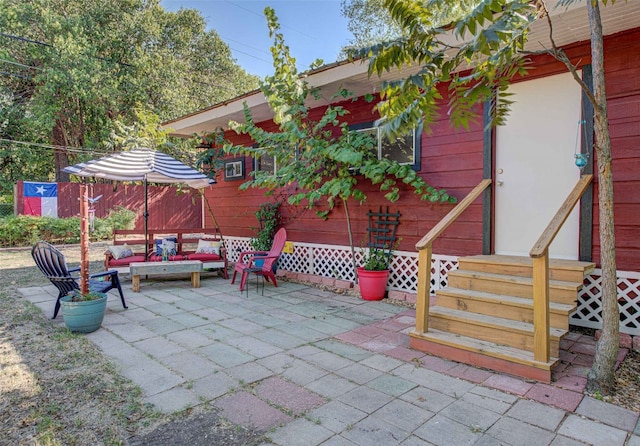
(56, 388)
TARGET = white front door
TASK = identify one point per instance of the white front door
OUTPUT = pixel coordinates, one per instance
(535, 167)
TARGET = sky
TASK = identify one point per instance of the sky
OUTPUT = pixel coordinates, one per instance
(312, 29)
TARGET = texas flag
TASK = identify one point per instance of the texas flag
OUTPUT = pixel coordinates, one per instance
(41, 199)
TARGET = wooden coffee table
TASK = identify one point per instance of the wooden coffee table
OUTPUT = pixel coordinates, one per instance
(138, 269)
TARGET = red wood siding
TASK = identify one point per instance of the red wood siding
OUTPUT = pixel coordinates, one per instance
(623, 91)
(449, 157)
(452, 159)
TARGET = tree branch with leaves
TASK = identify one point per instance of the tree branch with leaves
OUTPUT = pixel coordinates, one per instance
(490, 37)
(321, 158)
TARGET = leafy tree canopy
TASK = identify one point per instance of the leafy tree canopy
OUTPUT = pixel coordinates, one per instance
(321, 157)
(370, 22)
(70, 68)
(475, 58)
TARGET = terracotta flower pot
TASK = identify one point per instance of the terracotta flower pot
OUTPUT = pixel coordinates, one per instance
(373, 284)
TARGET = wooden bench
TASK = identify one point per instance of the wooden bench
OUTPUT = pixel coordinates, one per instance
(193, 267)
(186, 245)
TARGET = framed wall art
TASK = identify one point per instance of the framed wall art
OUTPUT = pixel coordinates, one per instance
(234, 169)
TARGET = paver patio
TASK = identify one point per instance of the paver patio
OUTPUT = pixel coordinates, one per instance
(313, 367)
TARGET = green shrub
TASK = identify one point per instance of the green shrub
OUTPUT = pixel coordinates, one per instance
(121, 218)
(118, 218)
(59, 230)
(19, 231)
(25, 230)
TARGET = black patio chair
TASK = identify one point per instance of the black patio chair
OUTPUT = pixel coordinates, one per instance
(53, 265)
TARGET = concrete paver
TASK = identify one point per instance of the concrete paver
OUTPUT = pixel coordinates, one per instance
(249, 373)
(174, 400)
(372, 430)
(404, 415)
(189, 365)
(365, 399)
(158, 347)
(245, 409)
(301, 432)
(292, 397)
(391, 385)
(561, 440)
(336, 416)
(161, 325)
(608, 413)
(591, 432)
(634, 441)
(537, 414)
(331, 386)
(442, 431)
(554, 396)
(310, 367)
(510, 431)
(214, 385)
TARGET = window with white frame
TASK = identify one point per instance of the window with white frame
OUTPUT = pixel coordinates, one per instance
(266, 162)
(404, 150)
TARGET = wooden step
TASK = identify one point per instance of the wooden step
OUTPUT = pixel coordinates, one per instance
(490, 328)
(507, 307)
(482, 354)
(559, 291)
(563, 270)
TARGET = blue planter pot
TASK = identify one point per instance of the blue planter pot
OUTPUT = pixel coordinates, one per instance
(85, 316)
(258, 262)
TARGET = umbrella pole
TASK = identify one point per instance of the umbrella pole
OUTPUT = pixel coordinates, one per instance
(146, 215)
(84, 239)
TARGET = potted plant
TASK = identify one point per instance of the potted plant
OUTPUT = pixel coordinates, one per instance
(268, 217)
(83, 313)
(373, 275)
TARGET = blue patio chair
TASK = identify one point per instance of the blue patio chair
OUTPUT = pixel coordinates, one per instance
(53, 265)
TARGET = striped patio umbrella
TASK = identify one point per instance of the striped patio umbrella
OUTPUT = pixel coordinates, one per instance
(141, 164)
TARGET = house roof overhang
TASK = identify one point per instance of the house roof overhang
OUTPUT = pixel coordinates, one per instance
(570, 25)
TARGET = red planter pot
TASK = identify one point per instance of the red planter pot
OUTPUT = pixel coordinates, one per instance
(373, 284)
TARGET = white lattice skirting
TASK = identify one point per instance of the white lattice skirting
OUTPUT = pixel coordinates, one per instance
(335, 261)
(589, 312)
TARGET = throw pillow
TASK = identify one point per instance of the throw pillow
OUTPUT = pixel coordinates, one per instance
(169, 244)
(120, 252)
(208, 247)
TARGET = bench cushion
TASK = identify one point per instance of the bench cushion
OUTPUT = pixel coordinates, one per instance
(208, 247)
(120, 251)
(170, 244)
(127, 260)
(203, 257)
(158, 258)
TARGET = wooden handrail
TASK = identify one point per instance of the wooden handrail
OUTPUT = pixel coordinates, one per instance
(561, 216)
(425, 251)
(540, 255)
(452, 215)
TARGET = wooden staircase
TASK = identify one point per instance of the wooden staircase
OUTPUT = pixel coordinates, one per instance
(485, 315)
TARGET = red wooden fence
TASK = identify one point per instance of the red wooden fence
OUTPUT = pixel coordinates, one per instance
(168, 208)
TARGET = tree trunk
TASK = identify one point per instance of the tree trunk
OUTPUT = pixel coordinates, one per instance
(350, 232)
(60, 156)
(602, 374)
